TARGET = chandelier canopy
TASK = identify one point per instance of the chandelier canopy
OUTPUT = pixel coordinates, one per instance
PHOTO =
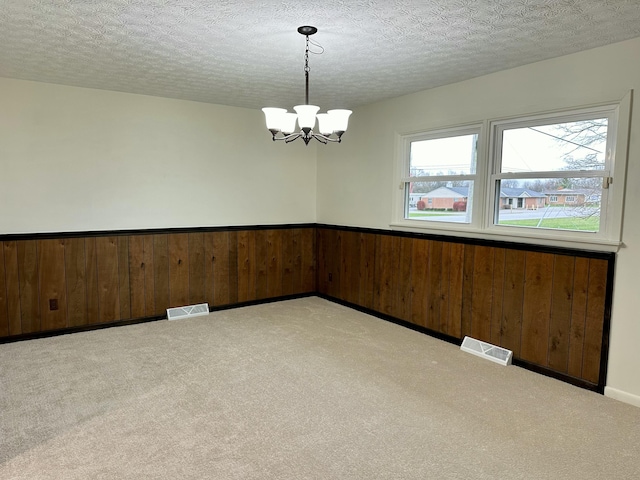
(282, 124)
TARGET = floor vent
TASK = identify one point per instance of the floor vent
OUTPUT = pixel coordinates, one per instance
(486, 350)
(189, 311)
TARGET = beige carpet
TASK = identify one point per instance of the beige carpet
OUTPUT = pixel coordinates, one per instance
(303, 389)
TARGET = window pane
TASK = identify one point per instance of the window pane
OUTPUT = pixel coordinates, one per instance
(561, 146)
(444, 156)
(440, 201)
(551, 203)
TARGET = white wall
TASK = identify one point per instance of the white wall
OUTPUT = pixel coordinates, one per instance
(355, 185)
(75, 159)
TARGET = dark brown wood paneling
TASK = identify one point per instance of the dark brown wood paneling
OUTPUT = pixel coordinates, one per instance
(482, 293)
(178, 245)
(246, 266)
(403, 279)
(385, 290)
(13, 287)
(137, 276)
(445, 283)
(274, 265)
(76, 278)
(209, 267)
(288, 262)
(220, 268)
(52, 284)
(367, 270)
(161, 274)
(578, 316)
(497, 295)
(560, 324)
(419, 281)
(349, 267)
(91, 265)
(233, 267)
(108, 279)
(456, 284)
(262, 262)
(308, 265)
(296, 264)
(197, 275)
(466, 319)
(29, 295)
(511, 324)
(4, 316)
(124, 277)
(435, 281)
(536, 307)
(149, 276)
(594, 320)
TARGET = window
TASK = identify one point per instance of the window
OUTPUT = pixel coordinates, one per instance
(544, 178)
(441, 167)
(565, 156)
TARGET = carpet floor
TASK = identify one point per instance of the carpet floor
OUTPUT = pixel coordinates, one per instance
(301, 389)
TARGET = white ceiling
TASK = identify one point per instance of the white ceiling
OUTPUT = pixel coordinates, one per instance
(248, 53)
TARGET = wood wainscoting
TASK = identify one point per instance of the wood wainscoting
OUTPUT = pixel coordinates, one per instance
(550, 306)
(49, 283)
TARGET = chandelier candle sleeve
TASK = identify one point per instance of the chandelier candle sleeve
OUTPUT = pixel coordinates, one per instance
(282, 124)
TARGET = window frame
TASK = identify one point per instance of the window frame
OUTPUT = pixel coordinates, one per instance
(484, 198)
(404, 167)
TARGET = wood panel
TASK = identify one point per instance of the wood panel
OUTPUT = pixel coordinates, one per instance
(262, 262)
(4, 316)
(108, 279)
(91, 266)
(274, 265)
(511, 324)
(178, 249)
(385, 288)
(482, 293)
(149, 276)
(419, 281)
(349, 267)
(76, 281)
(29, 295)
(52, 284)
(445, 283)
(561, 301)
(402, 277)
(308, 260)
(161, 272)
(456, 284)
(137, 276)
(578, 316)
(289, 254)
(247, 266)
(367, 270)
(12, 277)
(124, 278)
(233, 267)
(497, 295)
(466, 319)
(594, 325)
(536, 307)
(197, 275)
(220, 258)
(434, 284)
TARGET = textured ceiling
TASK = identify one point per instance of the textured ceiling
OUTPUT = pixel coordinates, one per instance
(247, 53)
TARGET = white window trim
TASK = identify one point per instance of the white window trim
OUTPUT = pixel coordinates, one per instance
(481, 227)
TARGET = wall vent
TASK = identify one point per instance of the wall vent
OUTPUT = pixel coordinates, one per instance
(486, 350)
(189, 311)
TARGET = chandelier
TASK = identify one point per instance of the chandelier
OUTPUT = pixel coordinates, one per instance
(282, 124)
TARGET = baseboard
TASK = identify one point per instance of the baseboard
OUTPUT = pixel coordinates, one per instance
(622, 396)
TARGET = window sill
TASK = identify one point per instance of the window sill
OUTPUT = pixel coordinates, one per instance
(573, 242)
